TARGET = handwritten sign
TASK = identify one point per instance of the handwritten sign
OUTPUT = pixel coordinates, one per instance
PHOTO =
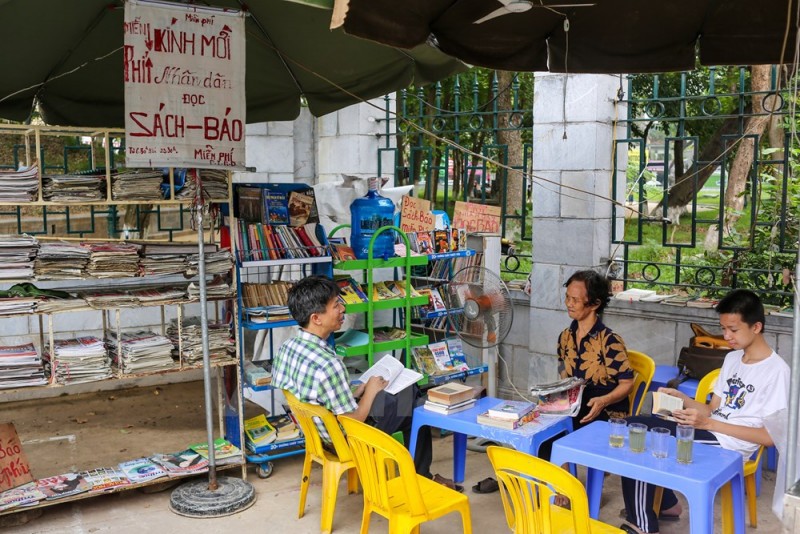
(476, 217)
(184, 71)
(415, 215)
(14, 467)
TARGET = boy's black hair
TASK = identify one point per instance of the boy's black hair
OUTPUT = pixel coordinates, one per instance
(597, 287)
(309, 296)
(745, 303)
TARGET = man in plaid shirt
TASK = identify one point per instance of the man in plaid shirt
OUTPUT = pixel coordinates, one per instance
(309, 368)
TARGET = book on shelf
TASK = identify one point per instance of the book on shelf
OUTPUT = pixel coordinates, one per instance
(352, 338)
(142, 470)
(301, 205)
(397, 376)
(248, 202)
(391, 333)
(664, 405)
(342, 252)
(380, 291)
(508, 424)
(441, 241)
(350, 291)
(286, 428)
(511, 409)
(446, 409)
(441, 356)
(403, 288)
(784, 312)
(424, 360)
(677, 300)
(451, 394)
(458, 359)
(276, 206)
(259, 431)
(424, 243)
(255, 375)
(634, 294)
(701, 302)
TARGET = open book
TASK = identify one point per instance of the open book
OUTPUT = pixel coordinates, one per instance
(392, 371)
(664, 405)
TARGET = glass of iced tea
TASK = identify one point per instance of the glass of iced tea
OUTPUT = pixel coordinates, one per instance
(616, 435)
(637, 433)
(685, 437)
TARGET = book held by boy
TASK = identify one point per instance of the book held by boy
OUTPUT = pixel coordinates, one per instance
(664, 405)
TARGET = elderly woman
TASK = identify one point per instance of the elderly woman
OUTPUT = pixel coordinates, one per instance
(588, 349)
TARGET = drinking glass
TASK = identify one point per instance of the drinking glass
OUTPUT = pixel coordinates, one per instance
(685, 435)
(659, 441)
(616, 436)
(636, 436)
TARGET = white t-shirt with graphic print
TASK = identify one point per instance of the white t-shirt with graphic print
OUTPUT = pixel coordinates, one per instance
(749, 392)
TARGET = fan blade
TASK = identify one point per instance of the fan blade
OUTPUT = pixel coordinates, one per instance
(493, 15)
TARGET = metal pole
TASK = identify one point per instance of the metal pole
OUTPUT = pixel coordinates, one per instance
(794, 388)
(201, 267)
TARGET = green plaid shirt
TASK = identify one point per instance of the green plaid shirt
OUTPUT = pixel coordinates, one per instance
(309, 368)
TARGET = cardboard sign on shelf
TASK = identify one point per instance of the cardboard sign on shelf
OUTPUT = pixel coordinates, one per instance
(476, 217)
(416, 215)
(14, 467)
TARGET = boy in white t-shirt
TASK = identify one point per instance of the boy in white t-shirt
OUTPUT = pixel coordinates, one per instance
(753, 384)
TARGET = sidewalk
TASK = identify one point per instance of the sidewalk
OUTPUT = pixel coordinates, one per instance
(275, 510)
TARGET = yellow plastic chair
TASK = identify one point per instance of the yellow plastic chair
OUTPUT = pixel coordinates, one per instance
(643, 370)
(406, 499)
(333, 464)
(527, 487)
(704, 389)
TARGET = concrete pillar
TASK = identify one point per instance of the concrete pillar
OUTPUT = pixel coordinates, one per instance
(571, 229)
(348, 142)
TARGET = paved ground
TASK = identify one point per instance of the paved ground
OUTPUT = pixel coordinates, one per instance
(150, 422)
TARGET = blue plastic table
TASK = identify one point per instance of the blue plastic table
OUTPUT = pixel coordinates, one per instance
(711, 469)
(526, 438)
(665, 373)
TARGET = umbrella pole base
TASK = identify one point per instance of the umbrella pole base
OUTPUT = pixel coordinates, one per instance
(194, 499)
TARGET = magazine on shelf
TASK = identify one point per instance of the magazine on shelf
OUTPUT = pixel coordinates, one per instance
(64, 485)
(105, 478)
(397, 376)
(225, 452)
(181, 463)
(259, 431)
(442, 356)
(301, 205)
(276, 209)
(142, 470)
(424, 360)
(26, 494)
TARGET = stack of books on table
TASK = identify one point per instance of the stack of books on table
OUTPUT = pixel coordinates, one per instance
(450, 398)
(509, 414)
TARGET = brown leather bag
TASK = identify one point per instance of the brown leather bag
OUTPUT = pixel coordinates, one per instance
(705, 353)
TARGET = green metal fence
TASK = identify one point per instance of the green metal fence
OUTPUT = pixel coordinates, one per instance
(687, 132)
(472, 110)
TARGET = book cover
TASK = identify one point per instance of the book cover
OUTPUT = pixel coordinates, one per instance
(425, 242)
(300, 206)
(342, 252)
(454, 239)
(437, 303)
(441, 240)
(352, 338)
(105, 478)
(181, 463)
(64, 485)
(381, 292)
(249, 204)
(276, 209)
(462, 239)
(21, 495)
(441, 355)
(510, 409)
(255, 375)
(142, 470)
(259, 431)
(424, 360)
(222, 449)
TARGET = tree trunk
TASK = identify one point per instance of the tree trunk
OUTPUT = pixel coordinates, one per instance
(738, 177)
(512, 138)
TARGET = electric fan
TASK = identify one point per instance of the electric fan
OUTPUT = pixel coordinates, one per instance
(481, 313)
(480, 307)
